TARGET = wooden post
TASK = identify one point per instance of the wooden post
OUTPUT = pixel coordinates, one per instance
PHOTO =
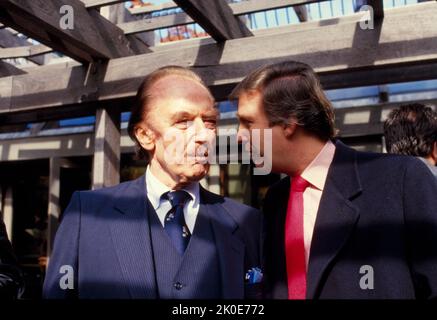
(106, 164)
(53, 210)
(54, 206)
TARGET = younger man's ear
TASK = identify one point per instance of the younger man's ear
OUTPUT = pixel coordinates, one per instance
(145, 137)
(434, 152)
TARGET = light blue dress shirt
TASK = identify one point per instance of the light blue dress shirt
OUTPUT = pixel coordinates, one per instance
(155, 189)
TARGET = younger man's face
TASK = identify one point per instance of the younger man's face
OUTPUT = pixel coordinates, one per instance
(253, 120)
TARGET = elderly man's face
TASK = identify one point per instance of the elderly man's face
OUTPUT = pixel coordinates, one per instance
(182, 123)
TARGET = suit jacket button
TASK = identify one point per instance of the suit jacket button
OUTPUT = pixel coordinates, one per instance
(178, 286)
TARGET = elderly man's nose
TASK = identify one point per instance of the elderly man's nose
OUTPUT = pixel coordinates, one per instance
(201, 131)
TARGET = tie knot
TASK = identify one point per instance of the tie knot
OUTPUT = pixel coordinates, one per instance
(178, 198)
(299, 184)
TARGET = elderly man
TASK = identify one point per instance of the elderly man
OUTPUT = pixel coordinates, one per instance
(343, 224)
(162, 235)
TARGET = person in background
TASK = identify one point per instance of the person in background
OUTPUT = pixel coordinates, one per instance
(11, 277)
(412, 130)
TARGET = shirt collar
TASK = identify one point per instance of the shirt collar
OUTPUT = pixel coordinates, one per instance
(317, 171)
(155, 189)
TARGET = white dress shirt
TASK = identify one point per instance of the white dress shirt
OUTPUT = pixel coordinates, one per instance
(315, 173)
(155, 189)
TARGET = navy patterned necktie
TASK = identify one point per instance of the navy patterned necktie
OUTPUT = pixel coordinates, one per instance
(174, 223)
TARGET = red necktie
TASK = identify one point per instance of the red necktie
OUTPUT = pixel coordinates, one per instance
(294, 240)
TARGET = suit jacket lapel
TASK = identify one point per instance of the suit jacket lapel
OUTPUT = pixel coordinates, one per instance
(336, 217)
(276, 244)
(131, 239)
(230, 249)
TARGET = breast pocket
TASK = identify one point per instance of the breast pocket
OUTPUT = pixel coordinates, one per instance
(253, 290)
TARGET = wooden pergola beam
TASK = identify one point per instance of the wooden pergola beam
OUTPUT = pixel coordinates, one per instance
(395, 52)
(8, 40)
(302, 13)
(82, 143)
(92, 37)
(24, 52)
(7, 69)
(137, 26)
(216, 18)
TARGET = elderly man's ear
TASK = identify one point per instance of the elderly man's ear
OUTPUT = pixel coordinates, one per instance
(146, 138)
